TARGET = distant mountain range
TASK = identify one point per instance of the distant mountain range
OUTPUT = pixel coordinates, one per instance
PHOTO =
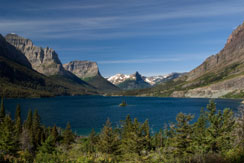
(27, 70)
(137, 81)
(220, 75)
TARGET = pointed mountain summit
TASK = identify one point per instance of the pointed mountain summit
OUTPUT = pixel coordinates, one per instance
(129, 82)
(89, 72)
(9, 51)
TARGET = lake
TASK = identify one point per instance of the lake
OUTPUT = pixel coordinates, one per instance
(87, 112)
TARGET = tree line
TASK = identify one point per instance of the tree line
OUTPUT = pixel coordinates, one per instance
(216, 136)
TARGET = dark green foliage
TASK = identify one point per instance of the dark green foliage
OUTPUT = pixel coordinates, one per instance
(182, 138)
(36, 129)
(8, 137)
(108, 140)
(54, 133)
(68, 136)
(28, 122)
(2, 110)
(91, 142)
(18, 123)
(48, 146)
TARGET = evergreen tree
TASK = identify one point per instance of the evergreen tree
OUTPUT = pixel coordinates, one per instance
(183, 135)
(8, 137)
(48, 146)
(36, 128)
(18, 123)
(221, 125)
(92, 141)
(200, 133)
(54, 133)
(108, 140)
(2, 110)
(28, 122)
(68, 135)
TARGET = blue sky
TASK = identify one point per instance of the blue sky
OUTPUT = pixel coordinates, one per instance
(123, 36)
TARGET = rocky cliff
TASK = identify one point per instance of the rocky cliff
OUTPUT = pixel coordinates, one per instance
(43, 60)
(89, 72)
(9, 51)
(233, 52)
(82, 69)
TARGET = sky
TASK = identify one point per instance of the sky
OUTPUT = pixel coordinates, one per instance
(154, 37)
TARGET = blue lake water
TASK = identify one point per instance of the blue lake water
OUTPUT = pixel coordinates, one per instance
(87, 112)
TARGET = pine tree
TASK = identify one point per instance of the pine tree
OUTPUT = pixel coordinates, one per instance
(28, 122)
(68, 135)
(92, 141)
(36, 128)
(108, 140)
(8, 137)
(2, 110)
(221, 125)
(18, 123)
(54, 133)
(183, 135)
(48, 146)
(200, 133)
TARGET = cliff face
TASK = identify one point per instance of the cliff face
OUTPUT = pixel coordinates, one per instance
(82, 69)
(233, 52)
(220, 74)
(89, 72)
(10, 52)
(43, 60)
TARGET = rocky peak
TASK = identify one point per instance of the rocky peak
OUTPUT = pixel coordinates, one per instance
(9, 51)
(83, 69)
(137, 76)
(43, 60)
(233, 52)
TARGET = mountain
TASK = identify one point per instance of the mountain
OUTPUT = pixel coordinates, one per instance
(89, 72)
(18, 79)
(220, 75)
(45, 61)
(8, 51)
(129, 82)
(162, 78)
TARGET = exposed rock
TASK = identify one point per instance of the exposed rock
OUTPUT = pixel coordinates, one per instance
(43, 60)
(89, 72)
(82, 69)
(218, 89)
(9, 51)
(233, 52)
(128, 82)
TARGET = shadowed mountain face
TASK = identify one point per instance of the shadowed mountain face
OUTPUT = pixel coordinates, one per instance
(45, 61)
(18, 79)
(89, 72)
(9, 51)
(220, 75)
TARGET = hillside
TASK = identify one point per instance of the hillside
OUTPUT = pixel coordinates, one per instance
(220, 75)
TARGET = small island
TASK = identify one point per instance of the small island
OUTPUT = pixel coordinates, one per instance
(123, 104)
